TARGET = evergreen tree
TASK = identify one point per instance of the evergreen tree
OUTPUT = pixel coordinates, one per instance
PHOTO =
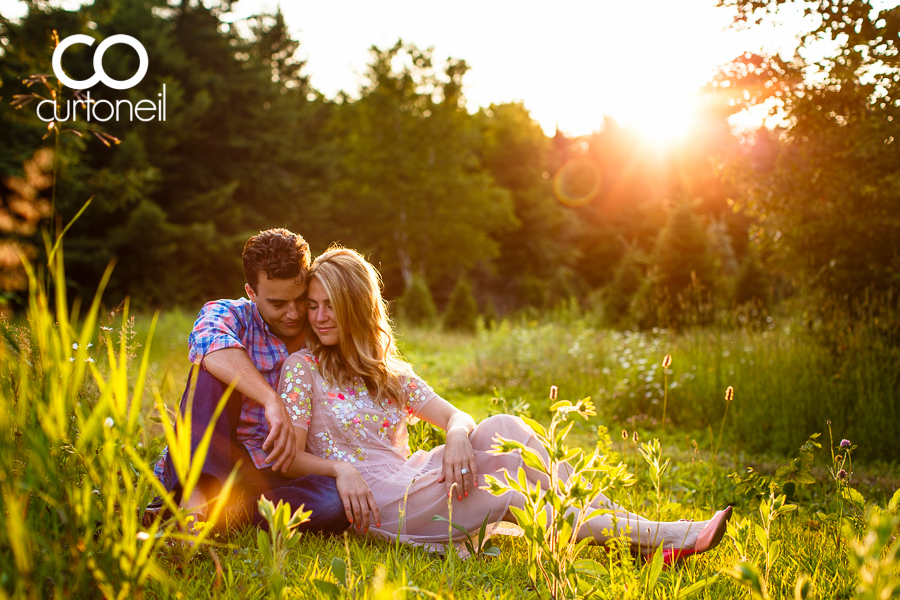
(679, 287)
(462, 310)
(682, 253)
(416, 306)
(751, 284)
(629, 275)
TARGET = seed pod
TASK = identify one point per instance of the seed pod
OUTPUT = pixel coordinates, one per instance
(553, 391)
(729, 394)
(667, 361)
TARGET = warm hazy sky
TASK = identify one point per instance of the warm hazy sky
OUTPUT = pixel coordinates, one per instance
(570, 61)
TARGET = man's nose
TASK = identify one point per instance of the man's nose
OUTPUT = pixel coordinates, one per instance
(293, 312)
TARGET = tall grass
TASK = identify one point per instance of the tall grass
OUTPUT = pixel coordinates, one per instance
(75, 455)
(787, 380)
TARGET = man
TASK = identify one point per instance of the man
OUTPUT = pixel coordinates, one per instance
(246, 341)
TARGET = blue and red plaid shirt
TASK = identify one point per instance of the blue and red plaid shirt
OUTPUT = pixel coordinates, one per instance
(238, 324)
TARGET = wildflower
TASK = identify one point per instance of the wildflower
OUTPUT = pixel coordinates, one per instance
(634, 437)
(72, 359)
(143, 536)
(729, 394)
(845, 443)
(89, 345)
(553, 392)
(624, 434)
(106, 328)
(109, 423)
(667, 361)
(75, 346)
(842, 474)
(89, 359)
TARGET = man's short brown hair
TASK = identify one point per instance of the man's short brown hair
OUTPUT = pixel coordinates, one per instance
(278, 253)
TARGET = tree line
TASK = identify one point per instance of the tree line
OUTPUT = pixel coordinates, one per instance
(440, 197)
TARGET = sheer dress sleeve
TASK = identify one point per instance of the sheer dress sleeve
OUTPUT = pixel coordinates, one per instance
(419, 394)
(295, 388)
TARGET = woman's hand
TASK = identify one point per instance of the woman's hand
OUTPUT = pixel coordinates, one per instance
(459, 463)
(359, 503)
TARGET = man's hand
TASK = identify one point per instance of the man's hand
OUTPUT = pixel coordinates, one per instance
(359, 503)
(280, 445)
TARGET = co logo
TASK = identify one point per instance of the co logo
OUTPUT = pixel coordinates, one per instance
(99, 73)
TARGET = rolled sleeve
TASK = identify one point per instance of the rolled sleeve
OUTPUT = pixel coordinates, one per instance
(219, 325)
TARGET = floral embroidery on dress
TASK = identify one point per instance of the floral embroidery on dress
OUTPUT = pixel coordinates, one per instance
(296, 395)
(350, 421)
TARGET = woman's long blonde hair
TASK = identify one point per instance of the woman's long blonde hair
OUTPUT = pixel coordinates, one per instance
(366, 348)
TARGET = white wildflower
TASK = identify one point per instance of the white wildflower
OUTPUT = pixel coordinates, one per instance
(109, 423)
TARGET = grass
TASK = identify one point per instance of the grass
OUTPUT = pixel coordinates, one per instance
(512, 365)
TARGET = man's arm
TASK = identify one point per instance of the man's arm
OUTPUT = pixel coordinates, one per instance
(230, 364)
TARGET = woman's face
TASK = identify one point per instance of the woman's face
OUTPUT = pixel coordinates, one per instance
(321, 315)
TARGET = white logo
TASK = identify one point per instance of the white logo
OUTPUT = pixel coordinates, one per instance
(99, 73)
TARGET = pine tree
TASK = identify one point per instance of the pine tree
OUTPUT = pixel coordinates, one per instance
(462, 310)
(416, 306)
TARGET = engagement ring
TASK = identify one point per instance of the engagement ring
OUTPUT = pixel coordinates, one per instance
(464, 470)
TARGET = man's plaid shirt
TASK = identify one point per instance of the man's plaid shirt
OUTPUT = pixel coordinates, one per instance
(237, 324)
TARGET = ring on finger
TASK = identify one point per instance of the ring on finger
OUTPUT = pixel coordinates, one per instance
(464, 471)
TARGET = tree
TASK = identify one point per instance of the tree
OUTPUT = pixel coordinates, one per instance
(826, 188)
(416, 305)
(679, 289)
(516, 153)
(462, 310)
(411, 189)
(242, 147)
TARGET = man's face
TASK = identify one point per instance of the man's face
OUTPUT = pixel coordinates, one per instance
(281, 304)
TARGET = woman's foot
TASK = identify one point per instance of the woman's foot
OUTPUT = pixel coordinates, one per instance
(708, 539)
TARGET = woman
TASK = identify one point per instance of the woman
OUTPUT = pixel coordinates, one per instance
(350, 395)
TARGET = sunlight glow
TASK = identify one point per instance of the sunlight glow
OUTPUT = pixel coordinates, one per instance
(661, 123)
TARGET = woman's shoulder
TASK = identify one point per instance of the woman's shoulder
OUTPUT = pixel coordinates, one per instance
(304, 356)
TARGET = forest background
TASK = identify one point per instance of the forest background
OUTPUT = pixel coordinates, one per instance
(715, 231)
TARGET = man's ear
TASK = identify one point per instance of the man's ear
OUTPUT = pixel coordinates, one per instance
(250, 293)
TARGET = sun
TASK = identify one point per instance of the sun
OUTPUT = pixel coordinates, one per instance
(662, 122)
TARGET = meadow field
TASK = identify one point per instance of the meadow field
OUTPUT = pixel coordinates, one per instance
(815, 517)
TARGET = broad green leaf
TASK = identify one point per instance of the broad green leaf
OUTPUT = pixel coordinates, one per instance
(339, 568)
(591, 568)
(535, 426)
(560, 404)
(853, 495)
(761, 536)
(804, 477)
(774, 552)
(894, 504)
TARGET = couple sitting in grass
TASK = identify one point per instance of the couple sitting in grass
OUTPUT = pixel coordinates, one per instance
(320, 415)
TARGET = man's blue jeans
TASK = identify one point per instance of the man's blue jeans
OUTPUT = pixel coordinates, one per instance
(315, 492)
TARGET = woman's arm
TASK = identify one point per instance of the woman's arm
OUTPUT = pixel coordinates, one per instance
(295, 390)
(458, 453)
(359, 503)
